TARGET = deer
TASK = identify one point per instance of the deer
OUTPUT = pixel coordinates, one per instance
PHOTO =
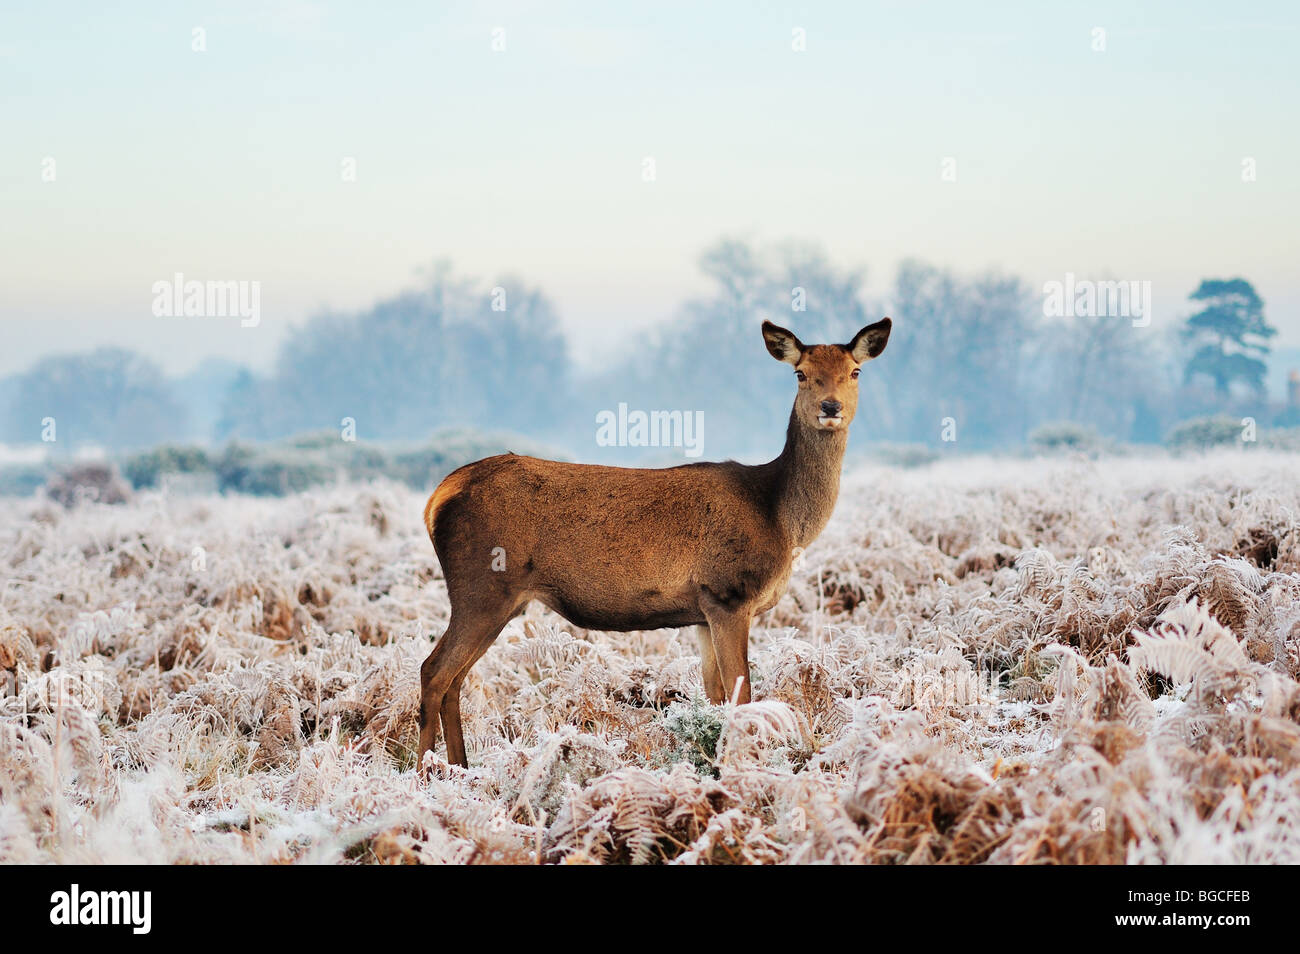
(708, 545)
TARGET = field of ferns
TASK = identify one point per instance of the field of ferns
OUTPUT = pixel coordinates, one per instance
(983, 661)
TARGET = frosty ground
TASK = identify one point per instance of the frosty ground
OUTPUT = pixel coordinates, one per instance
(1006, 661)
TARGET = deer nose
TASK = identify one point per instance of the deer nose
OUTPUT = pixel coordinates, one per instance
(831, 408)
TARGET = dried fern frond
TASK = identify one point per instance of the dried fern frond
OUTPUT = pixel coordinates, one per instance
(1061, 661)
(1190, 646)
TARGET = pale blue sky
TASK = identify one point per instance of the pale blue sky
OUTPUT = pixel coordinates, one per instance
(225, 164)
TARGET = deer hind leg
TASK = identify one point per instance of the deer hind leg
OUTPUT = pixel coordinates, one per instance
(450, 710)
(729, 628)
(709, 667)
(467, 638)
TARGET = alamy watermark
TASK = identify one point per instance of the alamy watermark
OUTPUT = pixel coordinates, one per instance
(624, 428)
(1098, 299)
(179, 298)
(127, 908)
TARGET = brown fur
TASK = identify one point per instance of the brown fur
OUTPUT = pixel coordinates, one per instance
(617, 549)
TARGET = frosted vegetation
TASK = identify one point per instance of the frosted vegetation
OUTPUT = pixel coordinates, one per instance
(1011, 662)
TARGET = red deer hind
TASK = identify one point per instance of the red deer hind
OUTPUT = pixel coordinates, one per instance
(614, 548)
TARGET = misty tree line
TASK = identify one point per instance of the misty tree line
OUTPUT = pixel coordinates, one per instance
(415, 363)
(973, 356)
(970, 356)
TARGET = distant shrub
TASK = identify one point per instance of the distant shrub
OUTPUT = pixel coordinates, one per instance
(22, 480)
(269, 474)
(1065, 436)
(1200, 433)
(1282, 438)
(904, 455)
(421, 467)
(97, 482)
(359, 460)
(321, 457)
(231, 465)
(324, 439)
(363, 461)
(275, 475)
(144, 470)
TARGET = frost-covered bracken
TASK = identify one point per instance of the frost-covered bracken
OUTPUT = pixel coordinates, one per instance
(986, 661)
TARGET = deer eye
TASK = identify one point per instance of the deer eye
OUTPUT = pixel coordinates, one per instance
(856, 372)
(801, 376)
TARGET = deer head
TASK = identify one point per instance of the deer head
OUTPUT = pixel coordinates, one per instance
(827, 374)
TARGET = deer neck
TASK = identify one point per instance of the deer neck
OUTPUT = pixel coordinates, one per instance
(807, 479)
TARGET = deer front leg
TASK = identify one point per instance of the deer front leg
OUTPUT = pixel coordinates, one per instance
(729, 629)
(709, 667)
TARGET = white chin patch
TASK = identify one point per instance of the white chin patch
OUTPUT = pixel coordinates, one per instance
(831, 422)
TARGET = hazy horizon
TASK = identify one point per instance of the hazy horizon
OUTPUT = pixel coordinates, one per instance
(226, 163)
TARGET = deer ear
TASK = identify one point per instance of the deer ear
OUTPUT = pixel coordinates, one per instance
(782, 344)
(870, 341)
